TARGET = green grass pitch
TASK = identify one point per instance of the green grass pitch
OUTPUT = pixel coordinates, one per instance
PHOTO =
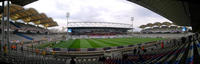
(97, 43)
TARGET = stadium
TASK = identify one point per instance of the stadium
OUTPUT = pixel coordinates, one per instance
(26, 39)
(98, 28)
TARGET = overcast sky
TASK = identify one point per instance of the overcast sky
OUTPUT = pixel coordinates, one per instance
(118, 11)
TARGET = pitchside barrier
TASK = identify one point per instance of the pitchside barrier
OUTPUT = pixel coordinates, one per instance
(87, 51)
(92, 51)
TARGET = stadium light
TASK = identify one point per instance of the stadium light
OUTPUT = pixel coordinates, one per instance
(132, 19)
(67, 15)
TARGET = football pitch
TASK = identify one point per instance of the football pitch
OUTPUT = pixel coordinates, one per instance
(97, 43)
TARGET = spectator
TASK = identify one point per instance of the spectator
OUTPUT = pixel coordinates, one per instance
(134, 51)
(22, 49)
(12, 47)
(100, 59)
(72, 61)
(155, 45)
(103, 59)
(142, 48)
(53, 52)
(37, 51)
(15, 47)
(152, 49)
(162, 45)
(145, 50)
(183, 39)
(43, 52)
(124, 57)
(139, 47)
(141, 58)
(138, 52)
(5, 50)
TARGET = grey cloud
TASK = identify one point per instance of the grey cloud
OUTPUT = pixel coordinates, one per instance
(91, 12)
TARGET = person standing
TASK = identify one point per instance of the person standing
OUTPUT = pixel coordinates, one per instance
(162, 45)
(142, 48)
(43, 52)
(134, 51)
(15, 47)
(5, 50)
(37, 51)
(12, 47)
(22, 48)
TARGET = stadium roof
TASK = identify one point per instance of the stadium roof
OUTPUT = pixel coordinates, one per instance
(173, 10)
(35, 18)
(98, 24)
(30, 15)
(20, 2)
(181, 12)
(147, 27)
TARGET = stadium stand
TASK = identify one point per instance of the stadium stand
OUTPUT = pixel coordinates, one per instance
(174, 53)
(98, 28)
(164, 28)
(28, 32)
(19, 25)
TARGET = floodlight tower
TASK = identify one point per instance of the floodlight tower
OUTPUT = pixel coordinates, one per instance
(67, 15)
(132, 19)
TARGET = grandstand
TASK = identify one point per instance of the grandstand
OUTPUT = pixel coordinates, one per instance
(98, 28)
(21, 28)
(26, 31)
(165, 27)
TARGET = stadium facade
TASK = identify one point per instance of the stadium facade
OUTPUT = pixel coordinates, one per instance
(98, 28)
